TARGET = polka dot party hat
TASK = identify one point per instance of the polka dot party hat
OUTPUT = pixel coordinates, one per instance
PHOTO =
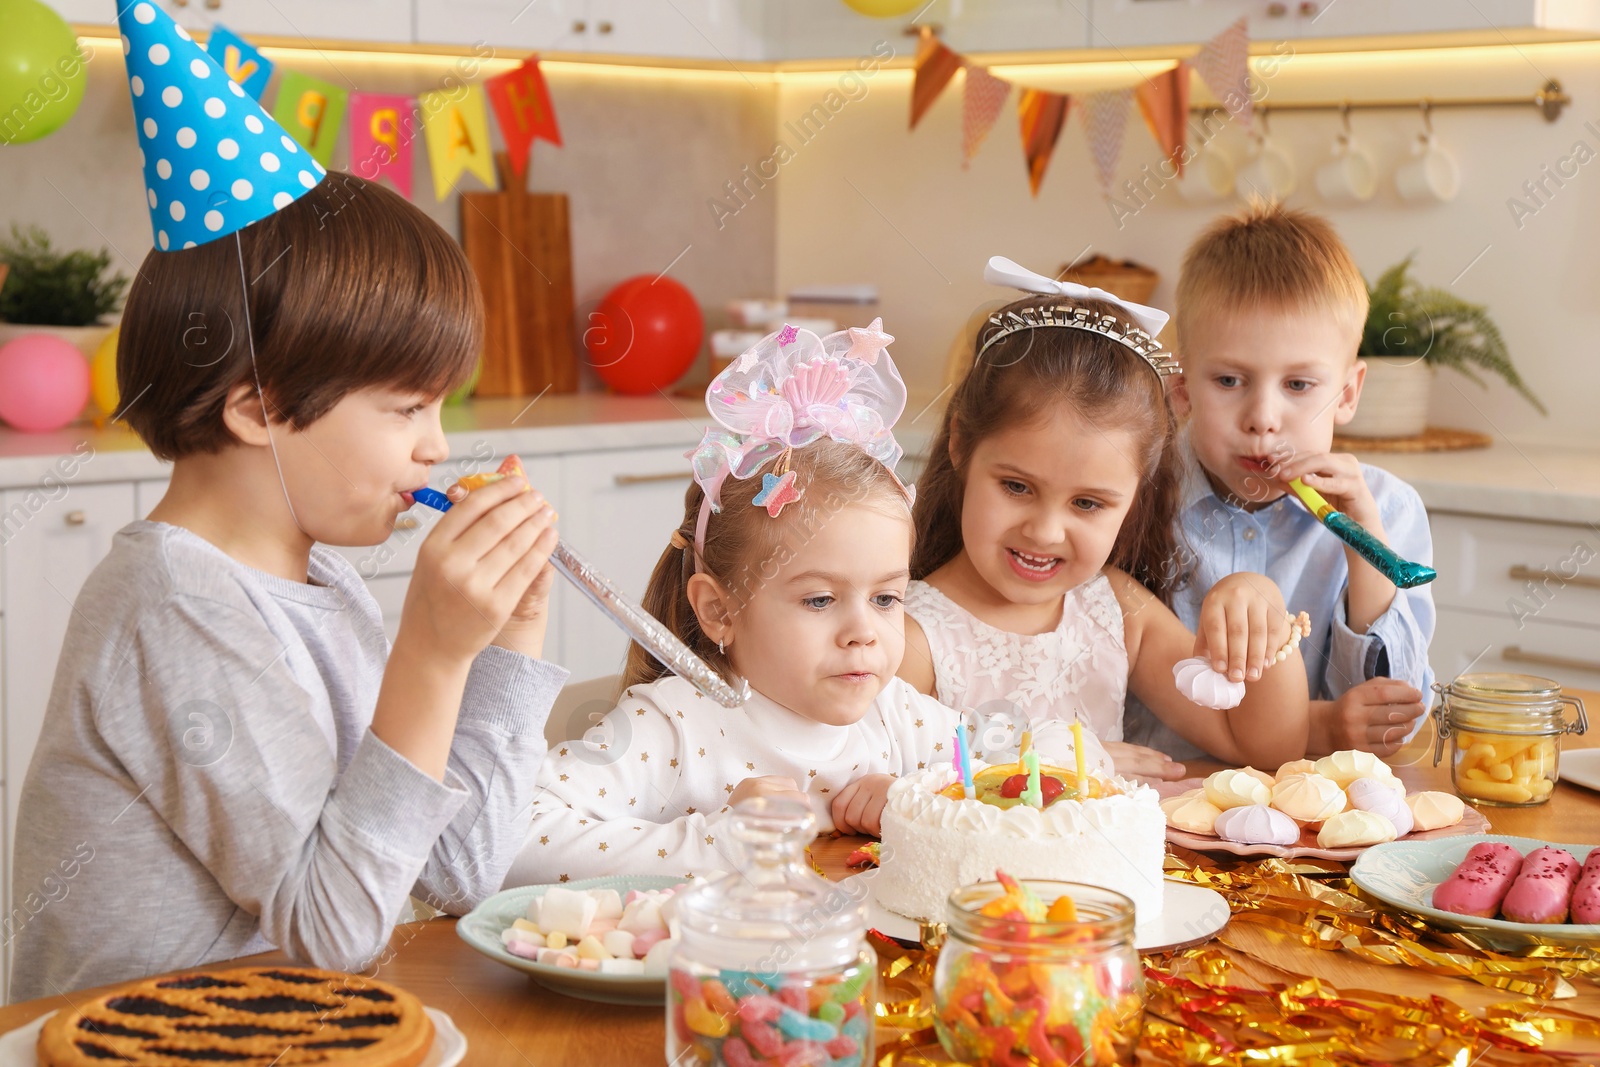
(214, 161)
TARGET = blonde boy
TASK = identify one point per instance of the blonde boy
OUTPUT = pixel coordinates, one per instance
(1270, 313)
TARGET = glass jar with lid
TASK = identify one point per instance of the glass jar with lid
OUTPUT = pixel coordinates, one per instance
(1505, 735)
(1068, 989)
(773, 964)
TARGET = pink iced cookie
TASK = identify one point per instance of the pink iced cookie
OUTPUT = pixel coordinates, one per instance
(1481, 882)
(1586, 897)
(1543, 891)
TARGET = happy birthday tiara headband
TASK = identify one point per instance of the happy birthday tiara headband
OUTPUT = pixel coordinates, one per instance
(1141, 339)
(786, 391)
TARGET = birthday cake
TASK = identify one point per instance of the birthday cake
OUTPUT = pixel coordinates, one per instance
(937, 838)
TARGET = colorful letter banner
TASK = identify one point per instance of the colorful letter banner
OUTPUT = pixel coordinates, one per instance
(457, 128)
(522, 104)
(382, 128)
(240, 60)
(312, 111)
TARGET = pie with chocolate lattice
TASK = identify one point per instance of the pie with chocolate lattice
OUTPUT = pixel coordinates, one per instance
(252, 1017)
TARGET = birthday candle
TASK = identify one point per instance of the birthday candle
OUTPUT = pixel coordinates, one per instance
(957, 761)
(1032, 796)
(1077, 750)
(966, 765)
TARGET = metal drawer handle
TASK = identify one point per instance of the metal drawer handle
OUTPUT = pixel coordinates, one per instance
(641, 479)
(1521, 573)
(1514, 654)
(76, 518)
(579, 26)
(407, 522)
(604, 27)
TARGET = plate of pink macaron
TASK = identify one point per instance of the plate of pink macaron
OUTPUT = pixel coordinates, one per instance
(1508, 889)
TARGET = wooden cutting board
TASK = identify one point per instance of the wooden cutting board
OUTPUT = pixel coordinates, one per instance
(520, 247)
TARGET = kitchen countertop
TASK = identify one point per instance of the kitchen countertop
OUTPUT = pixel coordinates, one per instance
(1543, 483)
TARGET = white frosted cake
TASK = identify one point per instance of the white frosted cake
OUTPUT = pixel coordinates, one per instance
(934, 842)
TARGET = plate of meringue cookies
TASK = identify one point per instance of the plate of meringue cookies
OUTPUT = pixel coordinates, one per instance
(1332, 808)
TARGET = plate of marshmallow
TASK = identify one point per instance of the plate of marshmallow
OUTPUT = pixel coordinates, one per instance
(1332, 808)
(604, 939)
(1507, 890)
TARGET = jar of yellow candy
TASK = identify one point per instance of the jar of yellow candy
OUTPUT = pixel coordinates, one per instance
(1505, 735)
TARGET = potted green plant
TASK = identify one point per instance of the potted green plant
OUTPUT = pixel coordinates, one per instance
(1410, 331)
(63, 293)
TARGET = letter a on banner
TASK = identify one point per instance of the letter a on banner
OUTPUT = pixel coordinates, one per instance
(457, 128)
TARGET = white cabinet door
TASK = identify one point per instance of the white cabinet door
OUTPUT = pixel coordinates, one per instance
(1476, 642)
(1130, 23)
(1357, 18)
(85, 12)
(310, 20)
(555, 25)
(827, 29)
(1011, 25)
(620, 508)
(147, 495)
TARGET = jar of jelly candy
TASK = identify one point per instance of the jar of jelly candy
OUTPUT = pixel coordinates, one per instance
(1039, 972)
(1505, 735)
(773, 964)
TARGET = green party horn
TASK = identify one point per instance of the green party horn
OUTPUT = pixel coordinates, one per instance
(1402, 572)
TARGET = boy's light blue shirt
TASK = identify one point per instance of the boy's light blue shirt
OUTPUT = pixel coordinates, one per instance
(1288, 544)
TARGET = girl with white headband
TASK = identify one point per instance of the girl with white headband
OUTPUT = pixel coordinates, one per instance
(1045, 557)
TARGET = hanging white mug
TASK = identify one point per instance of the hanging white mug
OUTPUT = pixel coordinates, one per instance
(1208, 176)
(1431, 175)
(1351, 177)
(1270, 174)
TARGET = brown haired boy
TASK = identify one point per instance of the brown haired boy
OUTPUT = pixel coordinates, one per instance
(1270, 313)
(229, 734)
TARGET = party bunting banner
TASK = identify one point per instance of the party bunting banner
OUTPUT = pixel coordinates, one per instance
(1105, 119)
(1223, 63)
(521, 103)
(1042, 114)
(312, 111)
(457, 128)
(240, 60)
(936, 65)
(382, 128)
(985, 96)
(1164, 103)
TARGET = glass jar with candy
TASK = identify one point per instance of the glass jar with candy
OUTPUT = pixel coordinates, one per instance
(773, 965)
(1505, 734)
(1039, 972)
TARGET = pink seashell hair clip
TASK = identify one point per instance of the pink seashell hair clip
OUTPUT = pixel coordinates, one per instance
(788, 390)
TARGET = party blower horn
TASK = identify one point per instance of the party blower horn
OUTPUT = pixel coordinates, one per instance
(1402, 572)
(637, 623)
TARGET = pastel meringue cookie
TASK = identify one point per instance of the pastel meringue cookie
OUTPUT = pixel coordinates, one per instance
(1261, 776)
(1191, 811)
(1308, 798)
(1433, 810)
(1196, 681)
(1355, 829)
(1297, 766)
(1376, 795)
(1235, 788)
(1346, 766)
(1257, 824)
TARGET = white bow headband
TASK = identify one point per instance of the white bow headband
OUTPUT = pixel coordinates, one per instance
(1002, 271)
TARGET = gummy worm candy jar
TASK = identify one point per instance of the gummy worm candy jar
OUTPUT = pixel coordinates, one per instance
(1012, 991)
(773, 966)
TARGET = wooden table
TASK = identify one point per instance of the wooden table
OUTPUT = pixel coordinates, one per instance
(511, 1022)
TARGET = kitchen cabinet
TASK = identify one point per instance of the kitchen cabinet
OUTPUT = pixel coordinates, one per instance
(365, 21)
(677, 29)
(823, 29)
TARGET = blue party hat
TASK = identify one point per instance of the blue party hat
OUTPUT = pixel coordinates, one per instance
(214, 161)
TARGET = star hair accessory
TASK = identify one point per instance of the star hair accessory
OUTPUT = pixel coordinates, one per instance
(788, 390)
(1140, 339)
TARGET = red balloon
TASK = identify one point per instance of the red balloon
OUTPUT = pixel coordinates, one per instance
(644, 335)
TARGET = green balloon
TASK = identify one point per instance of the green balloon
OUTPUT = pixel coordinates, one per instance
(41, 71)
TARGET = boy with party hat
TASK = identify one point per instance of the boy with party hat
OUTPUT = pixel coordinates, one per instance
(1270, 312)
(233, 758)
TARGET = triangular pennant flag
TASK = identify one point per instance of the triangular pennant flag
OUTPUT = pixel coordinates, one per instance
(240, 60)
(984, 96)
(457, 129)
(936, 65)
(1042, 114)
(214, 162)
(382, 128)
(1164, 103)
(1223, 63)
(312, 110)
(521, 102)
(1105, 119)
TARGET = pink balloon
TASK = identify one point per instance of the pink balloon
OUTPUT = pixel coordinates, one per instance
(44, 383)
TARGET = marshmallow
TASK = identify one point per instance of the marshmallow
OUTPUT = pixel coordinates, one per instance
(587, 964)
(655, 961)
(1197, 682)
(528, 950)
(1374, 794)
(591, 949)
(1355, 829)
(641, 916)
(1308, 798)
(1432, 810)
(1257, 824)
(622, 966)
(619, 943)
(1235, 789)
(608, 904)
(567, 911)
(512, 933)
